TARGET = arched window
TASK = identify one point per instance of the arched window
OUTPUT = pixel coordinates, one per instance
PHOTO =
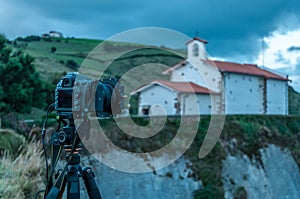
(196, 50)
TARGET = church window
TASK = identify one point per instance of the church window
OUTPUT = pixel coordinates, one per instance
(196, 50)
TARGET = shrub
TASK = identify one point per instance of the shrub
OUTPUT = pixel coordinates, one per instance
(72, 64)
(53, 49)
(208, 192)
(29, 38)
(240, 193)
(10, 142)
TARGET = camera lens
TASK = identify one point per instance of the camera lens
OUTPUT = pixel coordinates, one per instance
(66, 83)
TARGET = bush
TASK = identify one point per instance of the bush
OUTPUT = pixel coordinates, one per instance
(208, 192)
(53, 49)
(240, 193)
(72, 64)
(10, 142)
(29, 38)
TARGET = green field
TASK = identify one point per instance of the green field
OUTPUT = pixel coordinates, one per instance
(93, 56)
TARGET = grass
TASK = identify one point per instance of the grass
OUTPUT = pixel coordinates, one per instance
(22, 177)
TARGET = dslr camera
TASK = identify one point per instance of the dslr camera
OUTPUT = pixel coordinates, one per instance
(76, 95)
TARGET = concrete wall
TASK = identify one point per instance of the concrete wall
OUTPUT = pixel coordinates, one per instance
(277, 97)
(243, 94)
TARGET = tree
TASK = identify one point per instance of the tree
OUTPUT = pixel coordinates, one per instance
(53, 49)
(72, 64)
(20, 85)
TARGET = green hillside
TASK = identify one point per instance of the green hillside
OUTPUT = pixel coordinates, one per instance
(137, 64)
(57, 55)
(52, 55)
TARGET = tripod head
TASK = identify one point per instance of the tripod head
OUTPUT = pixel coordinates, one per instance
(65, 136)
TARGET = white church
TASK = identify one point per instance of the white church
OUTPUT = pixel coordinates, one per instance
(199, 85)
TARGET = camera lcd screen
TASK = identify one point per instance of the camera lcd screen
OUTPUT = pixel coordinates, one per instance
(65, 98)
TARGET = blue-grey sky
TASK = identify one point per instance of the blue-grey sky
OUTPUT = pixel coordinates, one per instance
(233, 28)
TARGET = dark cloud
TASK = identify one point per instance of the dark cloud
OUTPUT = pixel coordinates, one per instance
(293, 49)
(233, 28)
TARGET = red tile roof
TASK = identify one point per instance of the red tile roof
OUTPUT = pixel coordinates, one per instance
(248, 69)
(183, 87)
(198, 39)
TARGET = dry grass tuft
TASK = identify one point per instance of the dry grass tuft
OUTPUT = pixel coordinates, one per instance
(23, 176)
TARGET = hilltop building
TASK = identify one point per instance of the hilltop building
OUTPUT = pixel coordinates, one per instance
(199, 85)
(52, 33)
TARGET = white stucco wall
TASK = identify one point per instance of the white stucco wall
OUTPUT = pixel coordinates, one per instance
(208, 104)
(277, 97)
(212, 76)
(243, 94)
(187, 73)
(157, 95)
(193, 104)
(202, 74)
(189, 104)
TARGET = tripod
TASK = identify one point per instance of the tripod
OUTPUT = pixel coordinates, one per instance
(70, 141)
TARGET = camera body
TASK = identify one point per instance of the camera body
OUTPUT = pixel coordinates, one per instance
(76, 95)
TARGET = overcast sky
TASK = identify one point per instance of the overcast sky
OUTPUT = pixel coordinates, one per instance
(234, 28)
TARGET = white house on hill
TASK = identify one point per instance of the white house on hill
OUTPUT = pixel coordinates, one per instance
(199, 85)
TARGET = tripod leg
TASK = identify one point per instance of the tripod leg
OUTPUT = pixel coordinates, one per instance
(73, 189)
(88, 176)
(57, 190)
